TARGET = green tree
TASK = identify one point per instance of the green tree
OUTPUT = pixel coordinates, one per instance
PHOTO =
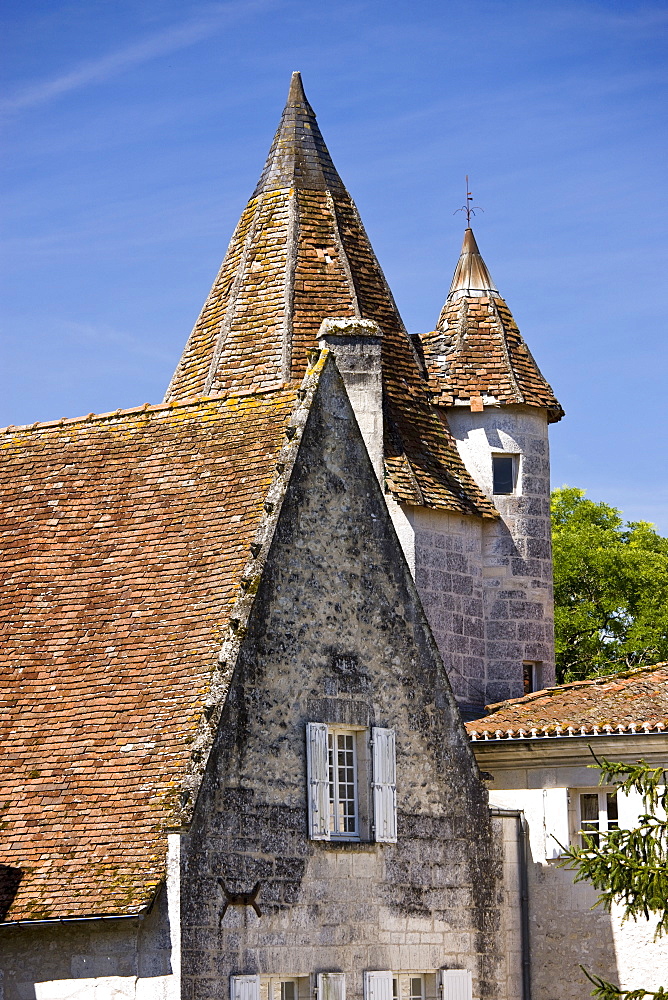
(610, 588)
(630, 866)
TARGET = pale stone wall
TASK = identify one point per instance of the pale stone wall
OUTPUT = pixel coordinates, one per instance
(508, 832)
(337, 635)
(566, 928)
(516, 549)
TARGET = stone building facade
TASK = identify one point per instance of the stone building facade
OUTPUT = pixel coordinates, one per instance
(178, 849)
(235, 674)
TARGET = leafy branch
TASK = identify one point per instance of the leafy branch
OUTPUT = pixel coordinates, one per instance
(608, 991)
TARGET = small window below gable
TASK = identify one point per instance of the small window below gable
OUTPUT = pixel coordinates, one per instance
(504, 474)
(264, 987)
(351, 783)
(413, 985)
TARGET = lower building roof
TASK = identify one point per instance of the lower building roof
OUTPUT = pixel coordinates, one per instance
(635, 701)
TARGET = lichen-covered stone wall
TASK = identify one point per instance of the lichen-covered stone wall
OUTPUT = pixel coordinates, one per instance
(337, 635)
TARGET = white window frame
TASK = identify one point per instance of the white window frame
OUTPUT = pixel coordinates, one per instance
(605, 825)
(374, 783)
(333, 733)
(275, 984)
(516, 457)
(402, 986)
(535, 673)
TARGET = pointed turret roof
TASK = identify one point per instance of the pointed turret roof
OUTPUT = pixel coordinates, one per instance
(298, 156)
(476, 354)
(300, 254)
(471, 276)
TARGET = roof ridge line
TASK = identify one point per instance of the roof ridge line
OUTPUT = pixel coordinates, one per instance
(291, 254)
(345, 260)
(147, 408)
(248, 583)
(230, 309)
(506, 352)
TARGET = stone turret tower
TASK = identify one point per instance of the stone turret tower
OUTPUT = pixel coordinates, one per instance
(498, 407)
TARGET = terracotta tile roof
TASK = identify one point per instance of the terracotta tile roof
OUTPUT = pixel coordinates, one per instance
(300, 254)
(126, 539)
(477, 350)
(633, 702)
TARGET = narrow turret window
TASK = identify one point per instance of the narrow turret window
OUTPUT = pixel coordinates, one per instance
(504, 473)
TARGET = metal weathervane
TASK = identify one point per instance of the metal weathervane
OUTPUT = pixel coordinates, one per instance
(468, 207)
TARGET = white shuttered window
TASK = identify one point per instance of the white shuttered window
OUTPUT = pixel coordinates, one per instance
(378, 985)
(384, 786)
(456, 984)
(245, 987)
(331, 986)
(318, 780)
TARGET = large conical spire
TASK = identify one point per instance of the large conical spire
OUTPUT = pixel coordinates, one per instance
(476, 355)
(300, 255)
(298, 156)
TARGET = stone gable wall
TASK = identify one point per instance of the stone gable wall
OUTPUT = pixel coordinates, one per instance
(336, 635)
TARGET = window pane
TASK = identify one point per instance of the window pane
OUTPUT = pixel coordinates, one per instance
(342, 783)
(589, 815)
(502, 469)
(589, 806)
(613, 818)
(527, 669)
(288, 990)
(395, 988)
(416, 988)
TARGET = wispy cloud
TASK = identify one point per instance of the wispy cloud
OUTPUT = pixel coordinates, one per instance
(168, 40)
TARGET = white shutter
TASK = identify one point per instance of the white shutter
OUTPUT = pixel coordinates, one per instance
(378, 985)
(555, 821)
(456, 984)
(332, 986)
(244, 988)
(384, 785)
(317, 762)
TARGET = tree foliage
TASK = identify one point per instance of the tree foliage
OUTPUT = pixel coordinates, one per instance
(630, 866)
(610, 588)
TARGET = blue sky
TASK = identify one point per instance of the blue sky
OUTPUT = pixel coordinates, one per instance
(135, 130)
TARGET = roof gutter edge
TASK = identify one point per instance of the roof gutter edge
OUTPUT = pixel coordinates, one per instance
(52, 921)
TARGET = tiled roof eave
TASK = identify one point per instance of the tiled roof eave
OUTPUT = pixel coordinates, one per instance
(566, 733)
